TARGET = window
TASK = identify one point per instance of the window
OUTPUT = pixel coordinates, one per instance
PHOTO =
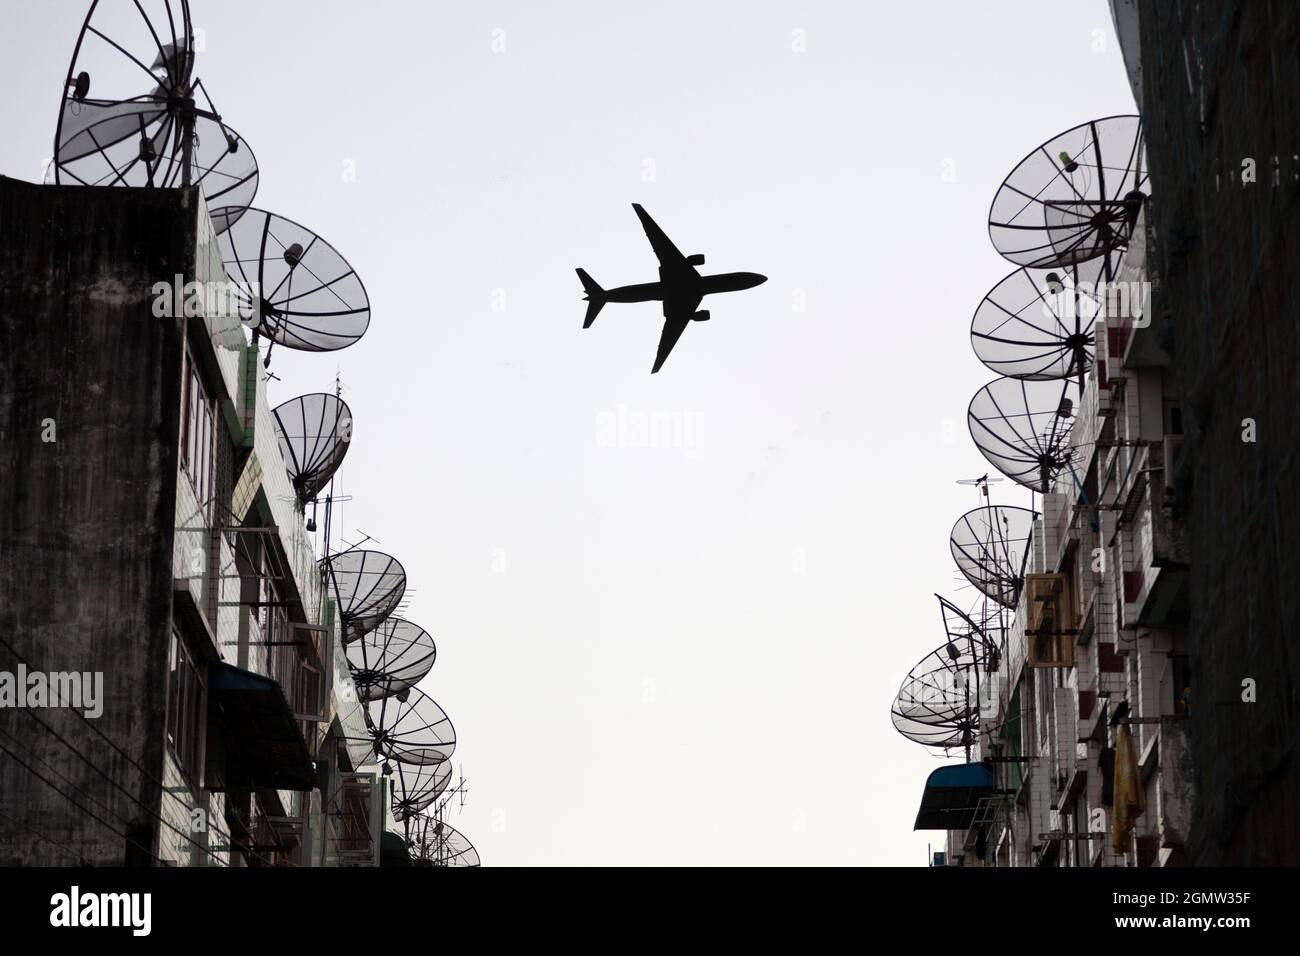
(1182, 675)
(1015, 769)
(186, 704)
(288, 650)
(1053, 619)
(308, 704)
(197, 431)
(1173, 418)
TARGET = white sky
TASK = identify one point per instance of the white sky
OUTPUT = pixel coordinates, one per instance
(691, 651)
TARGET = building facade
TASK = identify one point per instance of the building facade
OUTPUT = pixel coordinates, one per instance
(152, 542)
(1221, 93)
(1096, 649)
(1142, 706)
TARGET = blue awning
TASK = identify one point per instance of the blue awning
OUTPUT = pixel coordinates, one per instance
(952, 795)
(264, 746)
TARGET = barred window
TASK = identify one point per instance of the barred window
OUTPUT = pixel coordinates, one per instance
(186, 704)
(197, 431)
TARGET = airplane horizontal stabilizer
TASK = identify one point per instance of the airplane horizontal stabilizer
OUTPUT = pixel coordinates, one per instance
(595, 296)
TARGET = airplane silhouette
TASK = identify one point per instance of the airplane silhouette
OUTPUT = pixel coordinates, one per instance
(680, 288)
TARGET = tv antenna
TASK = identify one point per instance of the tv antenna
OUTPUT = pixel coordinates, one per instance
(1022, 427)
(1073, 199)
(364, 539)
(458, 791)
(109, 133)
(981, 484)
(303, 294)
(434, 842)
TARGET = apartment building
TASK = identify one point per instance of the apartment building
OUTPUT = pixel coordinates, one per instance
(152, 541)
(1140, 708)
(1090, 687)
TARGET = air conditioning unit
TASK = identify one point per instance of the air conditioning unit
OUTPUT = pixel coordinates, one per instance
(1053, 621)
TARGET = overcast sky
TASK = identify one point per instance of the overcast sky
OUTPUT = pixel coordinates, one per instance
(663, 655)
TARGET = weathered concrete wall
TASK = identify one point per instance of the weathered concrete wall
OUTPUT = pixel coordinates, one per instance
(1222, 91)
(86, 521)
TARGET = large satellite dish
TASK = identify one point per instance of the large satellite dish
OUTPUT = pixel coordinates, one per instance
(991, 547)
(434, 843)
(367, 586)
(416, 786)
(122, 123)
(413, 731)
(391, 659)
(308, 297)
(1023, 428)
(1037, 324)
(1073, 199)
(938, 704)
(314, 432)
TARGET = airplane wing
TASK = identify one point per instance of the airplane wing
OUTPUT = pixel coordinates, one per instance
(677, 315)
(671, 260)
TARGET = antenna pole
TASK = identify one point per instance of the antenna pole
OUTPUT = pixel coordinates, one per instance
(329, 514)
(187, 140)
(329, 495)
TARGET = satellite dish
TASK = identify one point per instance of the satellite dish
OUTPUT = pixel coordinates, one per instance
(308, 297)
(434, 843)
(938, 703)
(414, 730)
(112, 49)
(1073, 199)
(314, 432)
(934, 707)
(1023, 428)
(122, 123)
(367, 587)
(991, 547)
(137, 147)
(393, 657)
(1033, 325)
(416, 786)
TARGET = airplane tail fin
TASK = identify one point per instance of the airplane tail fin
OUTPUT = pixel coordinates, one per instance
(595, 297)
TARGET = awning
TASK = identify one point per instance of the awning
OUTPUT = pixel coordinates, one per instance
(952, 795)
(264, 747)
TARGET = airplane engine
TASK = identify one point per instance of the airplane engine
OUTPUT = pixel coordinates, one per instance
(701, 316)
(695, 260)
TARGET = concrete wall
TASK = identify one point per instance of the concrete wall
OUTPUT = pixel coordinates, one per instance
(1221, 84)
(86, 521)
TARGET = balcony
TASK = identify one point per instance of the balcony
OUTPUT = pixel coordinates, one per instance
(1155, 593)
(354, 821)
(1166, 768)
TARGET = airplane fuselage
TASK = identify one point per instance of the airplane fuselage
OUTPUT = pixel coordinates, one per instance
(684, 287)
